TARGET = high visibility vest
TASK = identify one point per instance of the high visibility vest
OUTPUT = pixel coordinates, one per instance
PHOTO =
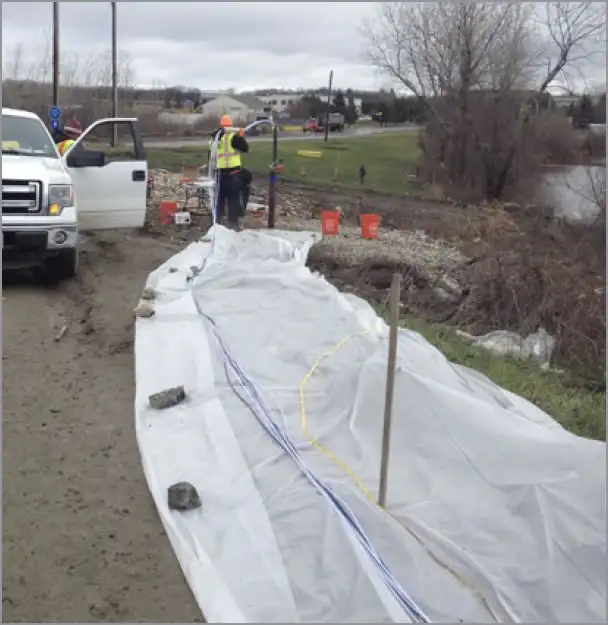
(227, 156)
(62, 146)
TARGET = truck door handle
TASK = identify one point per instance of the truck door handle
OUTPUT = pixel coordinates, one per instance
(139, 175)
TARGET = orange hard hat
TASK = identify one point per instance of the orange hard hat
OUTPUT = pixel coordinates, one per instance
(226, 121)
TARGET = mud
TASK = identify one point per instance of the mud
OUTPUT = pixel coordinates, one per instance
(82, 541)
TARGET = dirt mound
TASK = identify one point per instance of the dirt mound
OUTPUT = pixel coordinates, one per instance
(514, 279)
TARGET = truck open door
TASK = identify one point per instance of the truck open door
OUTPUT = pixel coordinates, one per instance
(109, 180)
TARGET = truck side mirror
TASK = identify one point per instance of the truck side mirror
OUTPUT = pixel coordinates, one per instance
(86, 158)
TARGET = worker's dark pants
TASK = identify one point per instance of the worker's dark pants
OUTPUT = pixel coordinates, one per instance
(229, 193)
(246, 178)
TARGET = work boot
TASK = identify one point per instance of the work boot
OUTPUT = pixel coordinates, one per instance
(234, 225)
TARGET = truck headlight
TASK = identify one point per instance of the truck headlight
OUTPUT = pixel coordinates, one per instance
(60, 196)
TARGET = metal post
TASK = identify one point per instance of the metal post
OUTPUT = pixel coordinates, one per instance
(114, 75)
(55, 53)
(390, 386)
(272, 180)
(331, 79)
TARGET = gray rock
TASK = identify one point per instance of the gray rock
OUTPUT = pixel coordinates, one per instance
(183, 496)
(167, 399)
(444, 296)
(144, 309)
(148, 294)
(450, 286)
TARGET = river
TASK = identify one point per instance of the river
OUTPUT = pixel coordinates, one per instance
(572, 192)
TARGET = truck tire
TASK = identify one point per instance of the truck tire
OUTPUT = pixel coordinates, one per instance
(64, 266)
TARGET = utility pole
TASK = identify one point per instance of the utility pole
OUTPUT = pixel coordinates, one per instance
(331, 80)
(114, 75)
(55, 53)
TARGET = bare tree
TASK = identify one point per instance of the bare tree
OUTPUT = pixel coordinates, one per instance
(13, 68)
(443, 49)
(468, 63)
(577, 32)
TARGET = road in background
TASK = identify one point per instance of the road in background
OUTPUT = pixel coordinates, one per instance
(348, 133)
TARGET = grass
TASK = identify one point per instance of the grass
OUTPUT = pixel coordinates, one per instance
(387, 158)
(580, 411)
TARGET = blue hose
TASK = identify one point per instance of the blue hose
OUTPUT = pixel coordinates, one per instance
(257, 406)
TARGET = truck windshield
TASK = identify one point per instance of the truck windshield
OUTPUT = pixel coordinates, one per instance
(26, 136)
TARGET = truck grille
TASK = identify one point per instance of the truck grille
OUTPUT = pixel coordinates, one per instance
(21, 197)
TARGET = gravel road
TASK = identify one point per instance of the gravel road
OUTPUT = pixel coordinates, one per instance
(81, 536)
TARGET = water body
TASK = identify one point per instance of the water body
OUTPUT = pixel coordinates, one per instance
(572, 191)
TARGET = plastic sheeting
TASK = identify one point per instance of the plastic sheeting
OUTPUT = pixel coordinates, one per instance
(494, 513)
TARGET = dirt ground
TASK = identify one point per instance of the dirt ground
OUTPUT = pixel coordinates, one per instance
(81, 536)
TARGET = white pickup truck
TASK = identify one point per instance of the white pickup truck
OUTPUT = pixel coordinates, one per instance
(47, 199)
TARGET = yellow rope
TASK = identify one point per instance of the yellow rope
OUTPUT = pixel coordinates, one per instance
(311, 439)
(344, 467)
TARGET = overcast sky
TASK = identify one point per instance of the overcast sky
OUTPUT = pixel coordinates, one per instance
(209, 45)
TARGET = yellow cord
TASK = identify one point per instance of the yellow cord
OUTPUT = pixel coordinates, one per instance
(342, 465)
(311, 439)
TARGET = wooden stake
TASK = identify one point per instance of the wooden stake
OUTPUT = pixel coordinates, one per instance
(395, 303)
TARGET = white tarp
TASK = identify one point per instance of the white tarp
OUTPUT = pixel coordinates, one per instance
(494, 511)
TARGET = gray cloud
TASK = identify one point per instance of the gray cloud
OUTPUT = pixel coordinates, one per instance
(210, 45)
(218, 45)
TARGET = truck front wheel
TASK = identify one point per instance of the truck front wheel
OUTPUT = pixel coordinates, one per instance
(65, 265)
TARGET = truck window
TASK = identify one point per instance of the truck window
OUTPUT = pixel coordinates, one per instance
(101, 138)
(26, 136)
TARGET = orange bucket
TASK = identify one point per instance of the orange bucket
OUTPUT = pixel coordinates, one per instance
(330, 223)
(167, 210)
(370, 224)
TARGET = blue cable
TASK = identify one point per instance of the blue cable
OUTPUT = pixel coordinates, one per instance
(257, 406)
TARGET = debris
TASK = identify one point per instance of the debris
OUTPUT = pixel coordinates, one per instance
(450, 285)
(172, 269)
(448, 290)
(144, 309)
(537, 346)
(148, 294)
(415, 249)
(445, 296)
(182, 218)
(183, 496)
(167, 399)
(61, 333)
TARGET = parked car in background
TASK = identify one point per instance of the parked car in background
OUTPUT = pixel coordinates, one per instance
(317, 124)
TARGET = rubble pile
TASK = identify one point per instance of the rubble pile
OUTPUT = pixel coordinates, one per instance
(395, 247)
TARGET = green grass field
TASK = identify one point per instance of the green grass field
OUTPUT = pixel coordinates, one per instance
(580, 411)
(387, 158)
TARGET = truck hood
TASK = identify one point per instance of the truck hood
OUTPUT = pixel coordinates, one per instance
(47, 170)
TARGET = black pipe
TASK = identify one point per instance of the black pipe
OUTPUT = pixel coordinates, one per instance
(272, 180)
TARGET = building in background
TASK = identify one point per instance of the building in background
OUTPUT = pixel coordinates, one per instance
(243, 108)
(280, 102)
